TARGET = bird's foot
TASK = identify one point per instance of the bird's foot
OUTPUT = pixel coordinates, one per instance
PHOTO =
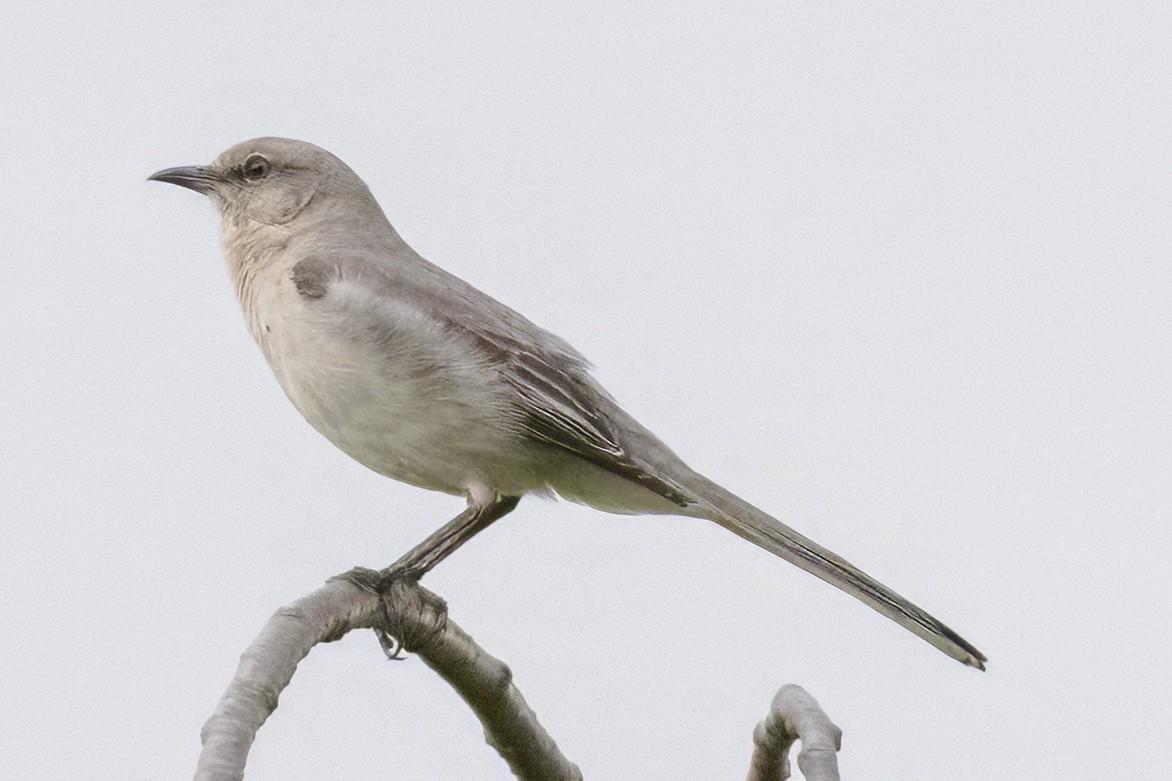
(366, 579)
(379, 581)
(410, 611)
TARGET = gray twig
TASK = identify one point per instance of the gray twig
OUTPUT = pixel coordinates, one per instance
(795, 715)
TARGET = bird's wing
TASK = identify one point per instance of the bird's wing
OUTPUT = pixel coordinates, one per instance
(562, 407)
(559, 403)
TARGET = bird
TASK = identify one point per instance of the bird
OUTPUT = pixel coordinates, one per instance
(423, 378)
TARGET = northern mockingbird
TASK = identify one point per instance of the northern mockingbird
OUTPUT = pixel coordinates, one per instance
(423, 378)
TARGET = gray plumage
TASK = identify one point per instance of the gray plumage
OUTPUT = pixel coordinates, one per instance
(423, 378)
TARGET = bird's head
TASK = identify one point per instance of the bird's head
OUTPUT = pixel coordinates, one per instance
(270, 181)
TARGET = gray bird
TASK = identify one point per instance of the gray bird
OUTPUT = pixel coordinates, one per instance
(421, 377)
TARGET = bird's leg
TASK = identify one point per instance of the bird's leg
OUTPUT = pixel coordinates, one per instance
(418, 561)
(440, 544)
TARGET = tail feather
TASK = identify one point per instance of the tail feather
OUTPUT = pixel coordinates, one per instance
(745, 520)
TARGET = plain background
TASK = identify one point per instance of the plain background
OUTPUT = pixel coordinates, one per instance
(898, 273)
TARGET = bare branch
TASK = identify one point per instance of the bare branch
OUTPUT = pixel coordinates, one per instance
(795, 715)
(268, 665)
(485, 683)
(418, 619)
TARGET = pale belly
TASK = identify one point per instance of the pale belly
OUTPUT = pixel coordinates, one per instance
(419, 415)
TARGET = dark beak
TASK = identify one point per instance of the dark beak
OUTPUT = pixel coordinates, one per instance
(201, 178)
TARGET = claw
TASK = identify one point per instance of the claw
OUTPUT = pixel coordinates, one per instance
(391, 645)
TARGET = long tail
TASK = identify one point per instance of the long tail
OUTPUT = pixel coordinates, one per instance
(745, 520)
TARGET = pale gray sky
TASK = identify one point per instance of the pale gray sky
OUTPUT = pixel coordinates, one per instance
(899, 275)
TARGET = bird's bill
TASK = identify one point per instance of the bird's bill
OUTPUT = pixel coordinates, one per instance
(200, 178)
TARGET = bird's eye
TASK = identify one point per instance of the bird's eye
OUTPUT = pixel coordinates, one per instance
(256, 167)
